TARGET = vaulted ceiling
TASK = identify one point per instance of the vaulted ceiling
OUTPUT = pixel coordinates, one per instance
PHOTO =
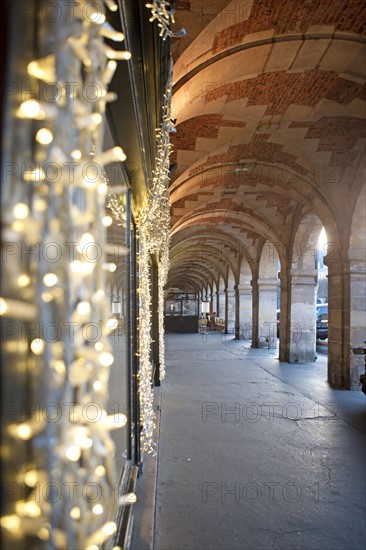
(269, 102)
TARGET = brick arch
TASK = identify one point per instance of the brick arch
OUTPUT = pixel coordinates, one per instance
(209, 264)
(246, 21)
(240, 217)
(205, 253)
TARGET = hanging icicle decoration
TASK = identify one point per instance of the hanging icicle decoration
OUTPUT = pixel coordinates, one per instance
(163, 12)
(154, 225)
(69, 213)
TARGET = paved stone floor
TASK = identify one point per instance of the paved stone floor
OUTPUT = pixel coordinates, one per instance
(256, 454)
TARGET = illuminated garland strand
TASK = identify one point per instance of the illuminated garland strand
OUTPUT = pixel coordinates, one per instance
(116, 205)
(162, 279)
(163, 12)
(79, 447)
(154, 239)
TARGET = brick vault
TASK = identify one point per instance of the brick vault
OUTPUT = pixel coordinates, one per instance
(269, 102)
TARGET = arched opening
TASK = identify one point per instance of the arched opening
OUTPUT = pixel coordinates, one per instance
(303, 287)
(265, 334)
(231, 308)
(357, 264)
(245, 300)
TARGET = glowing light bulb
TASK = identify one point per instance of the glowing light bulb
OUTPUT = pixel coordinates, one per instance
(106, 359)
(37, 346)
(111, 5)
(97, 17)
(59, 366)
(97, 385)
(107, 220)
(96, 118)
(100, 471)
(98, 509)
(86, 443)
(47, 297)
(40, 205)
(20, 211)
(24, 431)
(50, 279)
(23, 280)
(109, 71)
(102, 188)
(109, 32)
(83, 308)
(109, 528)
(122, 55)
(73, 453)
(30, 509)
(11, 523)
(30, 108)
(120, 155)
(99, 346)
(76, 154)
(3, 306)
(43, 533)
(75, 512)
(43, 68)
(44, 136)
(128, 498)
(31, 478)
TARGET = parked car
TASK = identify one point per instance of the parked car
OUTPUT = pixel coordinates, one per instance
(322, 321)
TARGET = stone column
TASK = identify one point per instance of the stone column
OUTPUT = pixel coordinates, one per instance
(245, 310)
(230, 317)
(338, 323)
(221, 304)
(302, 335)
(237, 313)
(267, 313)
(357, 278)
(284, 316)
(255, 313)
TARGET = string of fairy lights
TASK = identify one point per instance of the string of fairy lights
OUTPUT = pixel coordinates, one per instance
(154, 224)
(76, 365)
(162, 11)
